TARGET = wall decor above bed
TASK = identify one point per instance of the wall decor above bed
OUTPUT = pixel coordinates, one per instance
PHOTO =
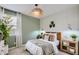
(52, 24)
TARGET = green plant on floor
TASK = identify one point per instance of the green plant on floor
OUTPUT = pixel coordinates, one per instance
(74, 36)
(4, 28)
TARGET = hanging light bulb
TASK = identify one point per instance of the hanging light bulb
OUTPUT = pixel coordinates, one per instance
(37, 11)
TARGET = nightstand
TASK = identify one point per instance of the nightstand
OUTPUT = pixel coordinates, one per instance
(69, 46)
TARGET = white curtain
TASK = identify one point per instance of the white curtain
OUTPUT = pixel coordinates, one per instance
(1, 12)
(19, 31)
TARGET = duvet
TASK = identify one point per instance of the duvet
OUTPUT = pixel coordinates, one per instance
(41, 47)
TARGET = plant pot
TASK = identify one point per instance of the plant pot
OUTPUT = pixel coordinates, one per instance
(6, 49)
(73, 39)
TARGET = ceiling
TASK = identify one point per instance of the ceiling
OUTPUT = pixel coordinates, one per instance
(48, 9)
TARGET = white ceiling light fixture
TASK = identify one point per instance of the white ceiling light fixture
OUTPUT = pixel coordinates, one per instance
(37, 12)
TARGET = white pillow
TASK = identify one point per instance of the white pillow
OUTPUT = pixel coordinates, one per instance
(55, 34)
(46, 37)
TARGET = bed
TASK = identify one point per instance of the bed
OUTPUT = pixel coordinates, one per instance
(42, 46)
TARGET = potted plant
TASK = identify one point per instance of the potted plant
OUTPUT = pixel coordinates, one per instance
(5, 28)
(74, 36)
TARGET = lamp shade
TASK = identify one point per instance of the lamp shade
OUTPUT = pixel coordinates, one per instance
(37, 12)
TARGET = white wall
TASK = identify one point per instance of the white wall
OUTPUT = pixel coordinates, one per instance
(62, 19)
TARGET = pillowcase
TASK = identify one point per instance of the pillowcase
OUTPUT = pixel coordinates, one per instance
(46, 37)
(51, 37)
(54, 34)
